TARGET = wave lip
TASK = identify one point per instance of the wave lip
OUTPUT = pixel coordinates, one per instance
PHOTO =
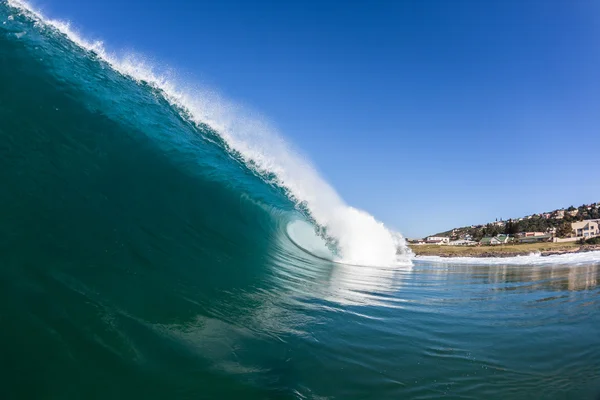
(359, 237)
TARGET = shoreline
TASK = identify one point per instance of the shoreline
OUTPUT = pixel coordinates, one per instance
(546, 249)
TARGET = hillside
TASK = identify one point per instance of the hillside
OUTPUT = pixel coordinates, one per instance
(543, 222)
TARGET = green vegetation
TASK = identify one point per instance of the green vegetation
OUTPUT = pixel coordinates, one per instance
(564, 229)
(592, 241)
(500, 250)
(558, 219)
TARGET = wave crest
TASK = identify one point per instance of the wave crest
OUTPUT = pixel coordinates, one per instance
(359, 237)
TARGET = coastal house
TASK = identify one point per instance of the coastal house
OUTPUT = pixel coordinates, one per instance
(437, 240)
(535, 238)
(500, 239)
(462, 242)
(493, 241)
(485, 241)
(587, 228)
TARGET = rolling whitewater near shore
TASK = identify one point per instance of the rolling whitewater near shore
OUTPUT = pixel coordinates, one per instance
(156, 244)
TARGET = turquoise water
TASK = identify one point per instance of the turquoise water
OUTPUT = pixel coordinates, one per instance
(141, 257)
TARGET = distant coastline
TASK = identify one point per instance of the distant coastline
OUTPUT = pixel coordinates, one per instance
(568, 230)
(510, 250)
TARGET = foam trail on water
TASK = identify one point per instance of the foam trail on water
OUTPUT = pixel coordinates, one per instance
(361, 239)
(532, 259)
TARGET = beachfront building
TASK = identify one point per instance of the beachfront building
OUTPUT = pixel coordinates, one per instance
(586, 229)
(438, 240)
(462, 242)
(535, 238)
(493, 241)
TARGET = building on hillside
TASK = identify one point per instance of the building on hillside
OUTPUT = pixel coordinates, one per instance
(535, 239)
(438, 240)
(573, 213)
(587, 228)
(559, 214)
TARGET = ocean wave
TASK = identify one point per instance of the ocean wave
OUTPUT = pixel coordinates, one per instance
(358, 236)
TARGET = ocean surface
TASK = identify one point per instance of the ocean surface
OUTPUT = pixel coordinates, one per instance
(154, 246)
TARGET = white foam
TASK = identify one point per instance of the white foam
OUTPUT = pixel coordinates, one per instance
(531, 259)
(361, 238)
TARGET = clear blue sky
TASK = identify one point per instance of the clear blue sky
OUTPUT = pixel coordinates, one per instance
(428, 114)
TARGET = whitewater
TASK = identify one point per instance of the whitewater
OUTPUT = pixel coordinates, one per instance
(533, 259)
(356, 236)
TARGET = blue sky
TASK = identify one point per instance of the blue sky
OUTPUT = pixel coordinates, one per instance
(428, 114)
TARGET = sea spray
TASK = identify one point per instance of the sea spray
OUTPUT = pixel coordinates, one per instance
(359, 237)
